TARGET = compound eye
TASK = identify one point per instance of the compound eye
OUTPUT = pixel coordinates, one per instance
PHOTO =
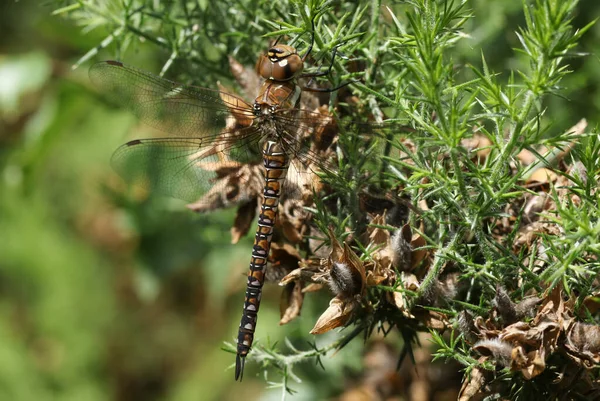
(287, 68)
(281, 63)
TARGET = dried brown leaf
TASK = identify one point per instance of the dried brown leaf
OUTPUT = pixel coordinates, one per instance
(486, 328)
(547, 324)
(313, 287)
(536, 364)
(473, 386)
(243, 221)
(543, 176)
(418, 255)
(518, 359)
(235, 184)
(247, 78)
(377, 235)
(373, 279)
(409, 282)
(478, 144)
(432, 319)
(240, 111)
(292, 218)
(305, 273)
(283, 259)
(290, 305)
(398, 300)
(518, 333)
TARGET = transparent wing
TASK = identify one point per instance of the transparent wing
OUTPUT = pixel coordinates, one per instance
(180, 110)
(187, 169)
(205, 147)
(205, 158)
(307, 136)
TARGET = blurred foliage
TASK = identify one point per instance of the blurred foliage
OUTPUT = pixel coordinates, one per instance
(107, 295)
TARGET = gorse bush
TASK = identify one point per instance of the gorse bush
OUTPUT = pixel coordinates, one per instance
(458, 205)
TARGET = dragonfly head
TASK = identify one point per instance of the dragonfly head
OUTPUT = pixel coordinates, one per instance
(281, 63)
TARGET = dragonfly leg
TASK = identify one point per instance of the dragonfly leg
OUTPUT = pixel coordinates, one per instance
(322, 73)
(312, 38)
(319, 73)
(328, 90)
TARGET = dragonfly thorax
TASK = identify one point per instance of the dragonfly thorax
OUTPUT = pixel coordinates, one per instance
(264, 109)
(275, 95)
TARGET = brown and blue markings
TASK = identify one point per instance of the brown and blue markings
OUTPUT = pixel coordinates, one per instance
(279, 67)
(276, 164)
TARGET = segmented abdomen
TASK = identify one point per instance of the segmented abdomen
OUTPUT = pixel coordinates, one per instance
(276, 164)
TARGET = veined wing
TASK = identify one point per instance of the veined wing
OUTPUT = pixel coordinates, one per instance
(181, 110)
(344, 125)
(307, 135)
(189, 169)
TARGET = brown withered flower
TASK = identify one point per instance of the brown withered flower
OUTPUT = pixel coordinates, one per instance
(283, 259)
(235, 184)
(476, 386)
(347, 279)
(526, 346)
(401, 251)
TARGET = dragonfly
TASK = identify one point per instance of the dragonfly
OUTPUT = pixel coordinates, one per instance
(207, 127)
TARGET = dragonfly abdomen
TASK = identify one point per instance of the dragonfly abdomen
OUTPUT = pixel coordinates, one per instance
(276, 164)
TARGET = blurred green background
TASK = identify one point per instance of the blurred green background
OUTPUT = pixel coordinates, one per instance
(106, 296)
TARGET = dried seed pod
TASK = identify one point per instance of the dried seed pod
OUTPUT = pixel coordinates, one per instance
(526, 308)
(401, 248)
(476, 385)
(466, 325)
(505, 306)
(499, 350)
(341, 280)
(347, 276)
(531, 364)
(585, 338)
